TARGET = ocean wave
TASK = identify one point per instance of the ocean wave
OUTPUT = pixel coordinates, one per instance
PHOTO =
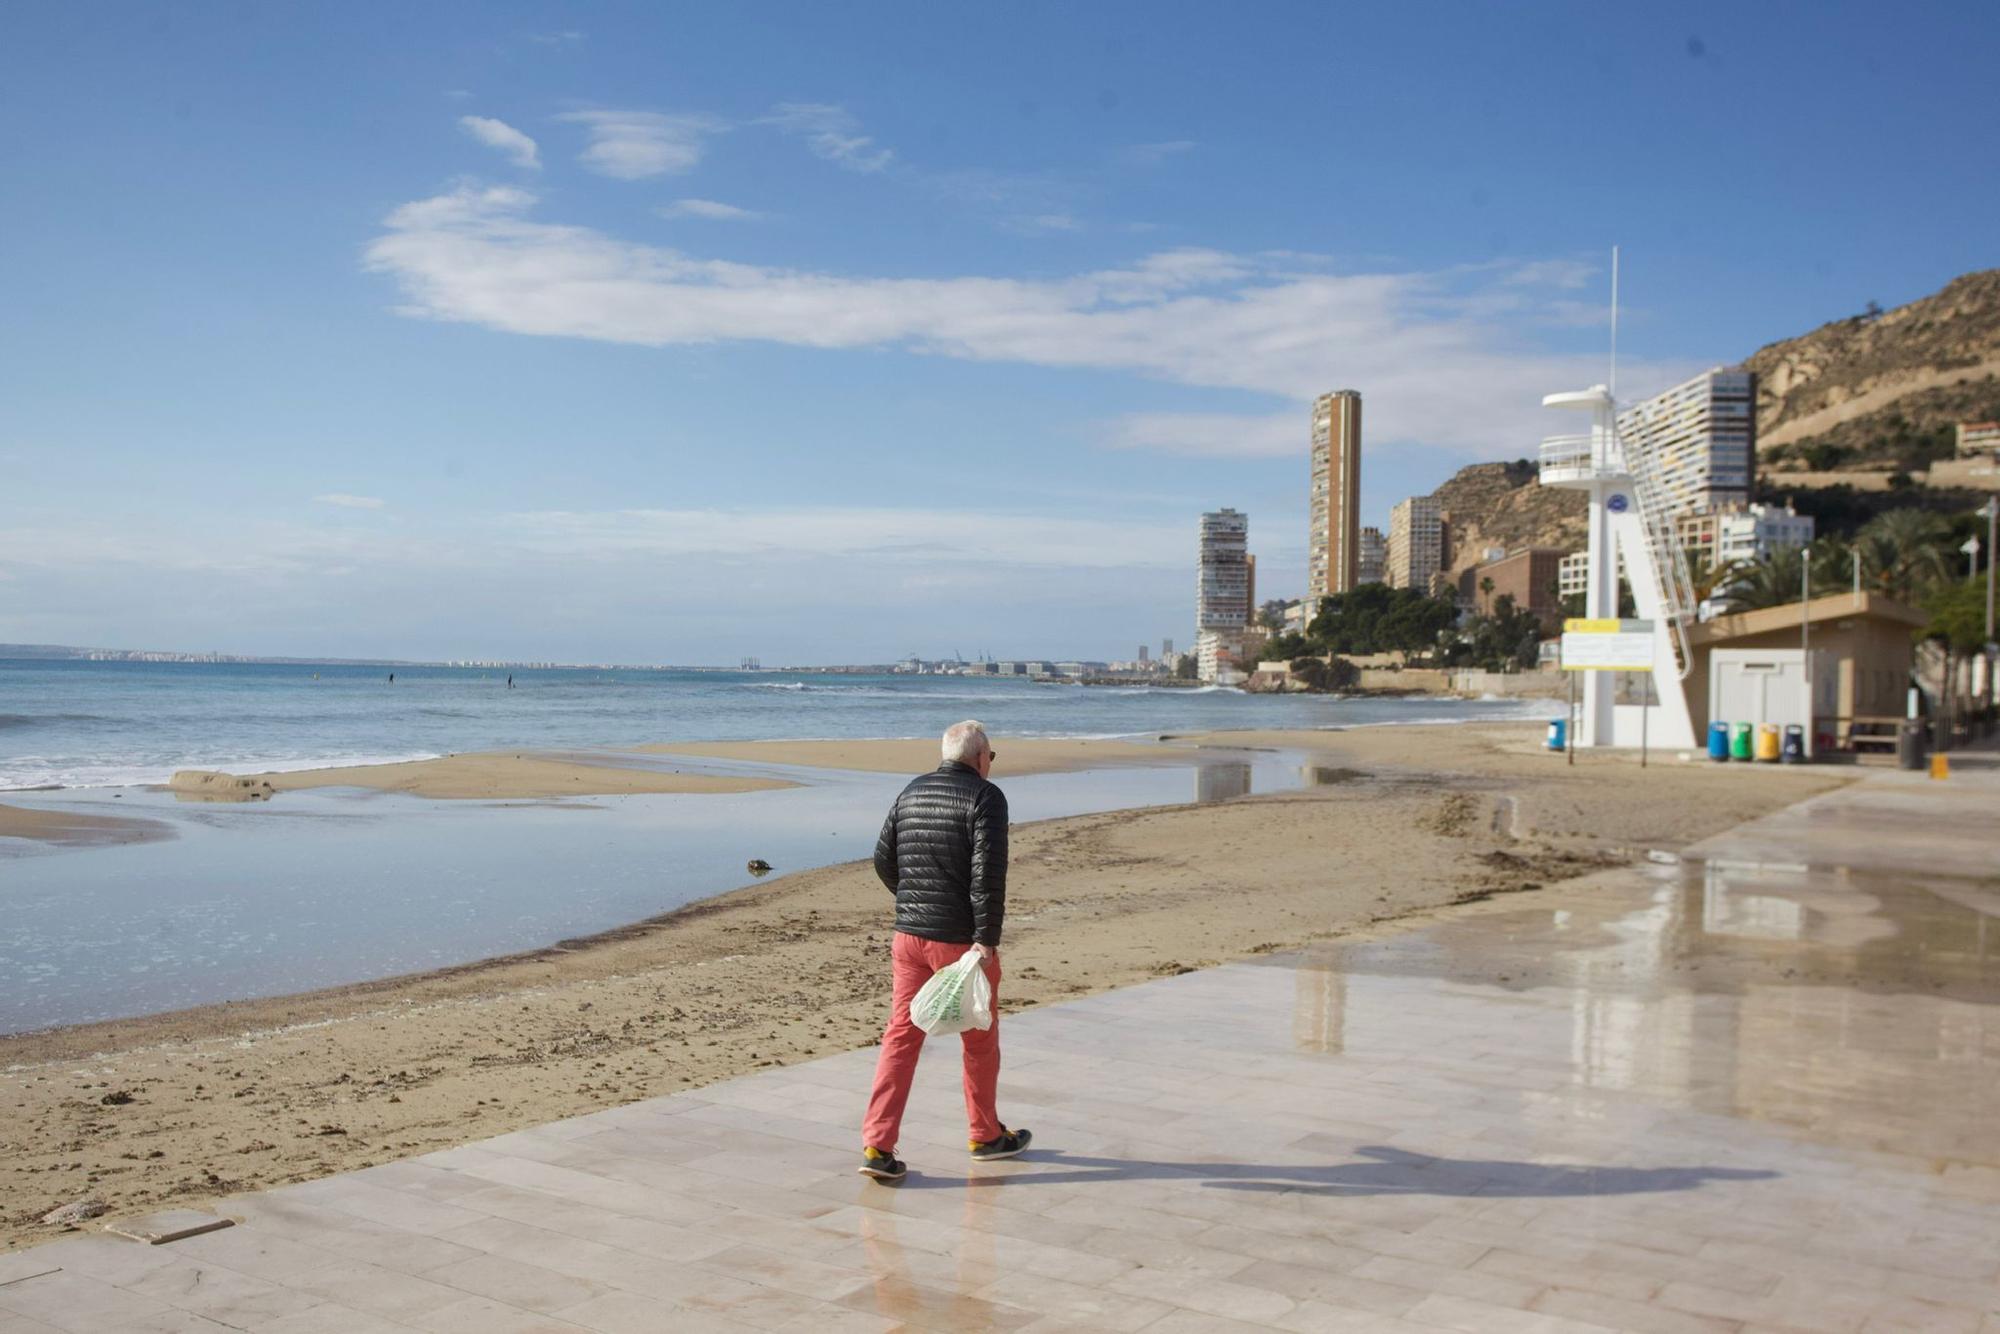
(12, 721)
(40, 773)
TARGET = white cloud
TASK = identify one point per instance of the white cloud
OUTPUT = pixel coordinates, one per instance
(1215, 434)
(499, 134)
(810, 533)
(709, 209)
(1434, 360)
(347, 502)
(586, 586)
(1151, 155)
(567, 37)
(635, 145)
(1044, 222)
(831, 132)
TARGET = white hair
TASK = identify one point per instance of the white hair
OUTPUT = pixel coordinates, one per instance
(966, 742)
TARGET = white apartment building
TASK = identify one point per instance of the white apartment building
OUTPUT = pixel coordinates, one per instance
(1416, 543)
(1755, 532)
(1373, 565)
(1704, 435)
(1978, 438)
(1217, 654)
(1222, 580)
(1573, 574)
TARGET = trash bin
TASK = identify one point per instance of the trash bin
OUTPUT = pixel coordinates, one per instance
(1769, 744)
(1910, 745)
(1795, 744)
(1718, 741)
(1739, 741)
(1558, 733)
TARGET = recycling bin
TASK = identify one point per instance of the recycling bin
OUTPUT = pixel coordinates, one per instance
(1739, 740)
(1795, 744)
(1558, 733)
(1718, 742)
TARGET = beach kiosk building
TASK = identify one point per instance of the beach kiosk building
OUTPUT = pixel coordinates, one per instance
(1861, 648)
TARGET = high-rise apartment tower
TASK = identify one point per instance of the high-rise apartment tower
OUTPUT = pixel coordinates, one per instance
(1373, 568)
(1416, 543)
(1333, 545)
(1222, 583)
(1703, 435)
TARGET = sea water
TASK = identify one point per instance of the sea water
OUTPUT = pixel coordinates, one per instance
(324, 887)
(97, 724)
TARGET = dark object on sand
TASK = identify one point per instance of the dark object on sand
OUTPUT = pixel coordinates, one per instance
(758, 866)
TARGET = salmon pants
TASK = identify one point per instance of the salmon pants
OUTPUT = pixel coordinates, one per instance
(912, 960)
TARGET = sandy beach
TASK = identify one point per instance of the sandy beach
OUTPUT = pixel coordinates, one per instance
(540, 775)
(1038, 756)
(1407, 821)
(512, 776)
(76, 829)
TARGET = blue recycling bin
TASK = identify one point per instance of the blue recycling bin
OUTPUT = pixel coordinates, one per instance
(1718, 742)
(1558, 733)
(1795, 744)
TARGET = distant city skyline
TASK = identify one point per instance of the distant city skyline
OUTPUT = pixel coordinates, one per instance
(691, 334)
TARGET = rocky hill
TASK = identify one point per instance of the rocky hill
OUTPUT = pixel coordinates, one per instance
(1501, 505)
(1879, 392)
(1884, 388)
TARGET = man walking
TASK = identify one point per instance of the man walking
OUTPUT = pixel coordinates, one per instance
(943, 854)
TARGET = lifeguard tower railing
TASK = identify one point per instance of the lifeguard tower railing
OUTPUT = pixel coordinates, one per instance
(1663, 547)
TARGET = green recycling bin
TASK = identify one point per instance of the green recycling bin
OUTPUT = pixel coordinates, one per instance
(1741, 738)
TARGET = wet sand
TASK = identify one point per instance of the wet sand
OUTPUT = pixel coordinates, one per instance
(74, 829)
(181, 1108)
(529, 775)
(1011, 755)
(513, 776)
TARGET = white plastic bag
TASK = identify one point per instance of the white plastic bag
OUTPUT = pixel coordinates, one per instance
(957, 997)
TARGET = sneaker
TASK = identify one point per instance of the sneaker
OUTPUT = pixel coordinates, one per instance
(882, 1166)
(1010, 1143)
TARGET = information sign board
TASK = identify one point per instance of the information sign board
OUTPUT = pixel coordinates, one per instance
(1606, 645)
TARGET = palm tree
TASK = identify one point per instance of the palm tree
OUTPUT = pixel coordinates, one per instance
(1903, 552)
(1486, 591)
(1771, 582)
(1708, 580)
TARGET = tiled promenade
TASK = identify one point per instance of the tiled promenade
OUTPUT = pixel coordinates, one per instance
(1756, 1091)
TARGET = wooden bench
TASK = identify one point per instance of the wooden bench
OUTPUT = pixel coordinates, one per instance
(1876, 735)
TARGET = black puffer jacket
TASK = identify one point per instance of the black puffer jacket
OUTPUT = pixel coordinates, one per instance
(943, 853)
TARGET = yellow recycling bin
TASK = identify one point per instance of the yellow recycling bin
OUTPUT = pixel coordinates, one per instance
(1769, 743)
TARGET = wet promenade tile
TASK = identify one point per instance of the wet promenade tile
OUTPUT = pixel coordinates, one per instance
(1753, 1091)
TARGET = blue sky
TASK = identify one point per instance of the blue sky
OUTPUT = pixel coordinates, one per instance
(826, 333)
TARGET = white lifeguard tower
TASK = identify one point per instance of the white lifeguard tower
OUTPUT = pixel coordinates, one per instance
(1629, 526)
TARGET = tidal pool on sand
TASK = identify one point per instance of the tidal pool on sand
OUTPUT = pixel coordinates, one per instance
(327, 887)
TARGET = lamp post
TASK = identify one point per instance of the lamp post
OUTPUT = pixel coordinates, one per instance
(1992, 511)
(1805, 640)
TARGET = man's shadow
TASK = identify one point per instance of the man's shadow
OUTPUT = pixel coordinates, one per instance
(1387, 1171)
